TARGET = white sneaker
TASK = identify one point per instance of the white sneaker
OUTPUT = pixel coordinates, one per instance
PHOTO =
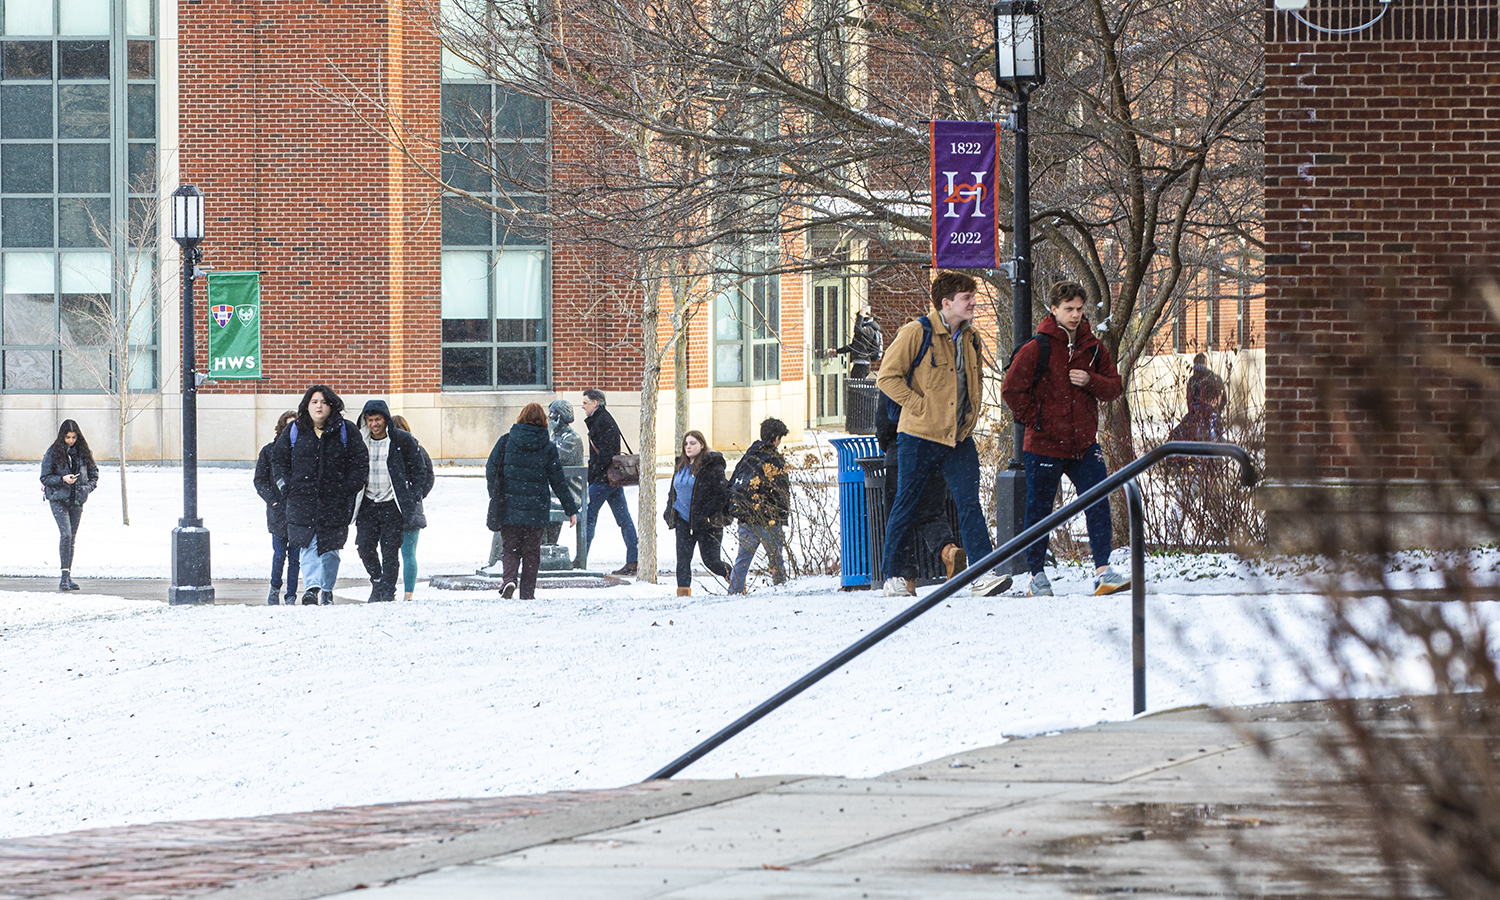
(1109, 581)
(1040, 586)
(900, 587)
(990, 585)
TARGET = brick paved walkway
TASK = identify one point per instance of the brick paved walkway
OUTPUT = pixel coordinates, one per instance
(184, 859)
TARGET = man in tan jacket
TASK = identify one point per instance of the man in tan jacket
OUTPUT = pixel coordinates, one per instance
(938, 381)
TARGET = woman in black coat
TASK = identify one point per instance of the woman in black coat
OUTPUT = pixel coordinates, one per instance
(265, 486)
(698, 509)
(320, 465)
(68, 477)
(524, 471)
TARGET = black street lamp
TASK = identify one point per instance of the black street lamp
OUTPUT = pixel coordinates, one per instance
(1020, 65)
(191, 578)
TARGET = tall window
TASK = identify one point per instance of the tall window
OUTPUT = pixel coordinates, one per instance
(495, 305)
(77, 194)
(747, 325)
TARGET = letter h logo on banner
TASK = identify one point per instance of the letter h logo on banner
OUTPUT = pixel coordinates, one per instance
(964, 231)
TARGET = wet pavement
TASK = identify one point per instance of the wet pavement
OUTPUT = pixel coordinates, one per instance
(1180, 803)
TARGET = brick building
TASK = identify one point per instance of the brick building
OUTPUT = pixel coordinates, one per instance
(371, 278)
(1381, 193)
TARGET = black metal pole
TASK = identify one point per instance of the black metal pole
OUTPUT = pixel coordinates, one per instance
(192, 581)
(1137, 591)
(1010, 485)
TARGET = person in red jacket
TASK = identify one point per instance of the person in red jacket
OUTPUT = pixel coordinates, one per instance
(1060, 410)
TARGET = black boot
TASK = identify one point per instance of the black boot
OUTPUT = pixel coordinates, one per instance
(62, 583)
(72, 585)
(310, 597)
(275, 598)
(327, 598)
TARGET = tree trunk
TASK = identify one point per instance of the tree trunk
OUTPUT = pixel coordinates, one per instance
(646, 563)
(679, 358)
(124, 495)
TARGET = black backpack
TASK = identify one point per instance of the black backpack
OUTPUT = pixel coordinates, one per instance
(1044, 355)
(741, 491)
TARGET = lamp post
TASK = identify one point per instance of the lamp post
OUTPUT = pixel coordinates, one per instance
(1020, 66)
(191, 578)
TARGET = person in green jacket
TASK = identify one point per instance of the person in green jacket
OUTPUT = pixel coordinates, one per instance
(523, 472)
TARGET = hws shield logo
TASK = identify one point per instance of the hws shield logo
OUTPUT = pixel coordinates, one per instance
(246, 314)
(222, 314)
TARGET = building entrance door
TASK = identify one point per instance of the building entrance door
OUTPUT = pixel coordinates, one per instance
(830, 331)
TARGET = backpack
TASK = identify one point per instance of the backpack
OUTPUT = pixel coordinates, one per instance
(892, 408)
(1044, 355)
(741, 491)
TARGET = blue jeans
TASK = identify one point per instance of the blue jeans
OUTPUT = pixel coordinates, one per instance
(751, 537)
(281, 559)
(916, 459)
(319, 570)
(599, 494)
(1043, 475)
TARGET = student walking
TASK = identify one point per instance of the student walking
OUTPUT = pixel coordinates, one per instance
(524, 471)
(416, 521)
(761, 498)
(1060, 408)
(604, 445)
(265, 486)
(69, 475)
(320, 465)
(697, 509)
(383, 511)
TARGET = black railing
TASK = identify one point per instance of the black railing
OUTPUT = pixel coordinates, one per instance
(976, 569)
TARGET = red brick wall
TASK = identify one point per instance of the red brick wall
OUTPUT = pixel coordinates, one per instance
(1382, 182)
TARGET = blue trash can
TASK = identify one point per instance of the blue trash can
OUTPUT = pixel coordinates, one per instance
(854, 532)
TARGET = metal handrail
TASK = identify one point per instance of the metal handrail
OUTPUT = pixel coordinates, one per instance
(1010, 548)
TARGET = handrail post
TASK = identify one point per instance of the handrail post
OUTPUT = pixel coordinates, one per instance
(1137, 591)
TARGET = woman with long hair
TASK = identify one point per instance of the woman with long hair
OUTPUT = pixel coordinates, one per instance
(418, 519)
(523, 467)
(697, 509)
(68, 477)
(265, 485)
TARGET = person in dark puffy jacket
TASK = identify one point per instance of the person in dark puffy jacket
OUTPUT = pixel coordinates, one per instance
(765, 506)
(523, 473)
(698, 509)
(398, 480)
(265, 486)
(320, 465)
(417, 521)
(69, 475)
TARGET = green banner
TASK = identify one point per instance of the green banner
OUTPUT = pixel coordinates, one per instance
(234, 325)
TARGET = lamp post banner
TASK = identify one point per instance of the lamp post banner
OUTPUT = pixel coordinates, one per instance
(964, 172)
(234, 325)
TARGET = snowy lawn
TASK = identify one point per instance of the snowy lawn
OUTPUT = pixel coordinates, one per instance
(118, 711)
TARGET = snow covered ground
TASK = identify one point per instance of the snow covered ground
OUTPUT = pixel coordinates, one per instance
(118, 711)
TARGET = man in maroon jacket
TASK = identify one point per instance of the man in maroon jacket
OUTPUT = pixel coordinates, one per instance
(1060, 409)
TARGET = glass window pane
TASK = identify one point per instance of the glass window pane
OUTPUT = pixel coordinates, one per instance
(455, 66)
(83, 17)
(465, 283)
(83, 59)
(758, 366)
(462, 170)
(727, 368)
(85, 320)
(519, 116)
(83, 222)
(138, 18)
(727, 323)
(143, 222)
(142, 372)
(521, 167)
(26, 168)
(83, 168)
(25, 59)
(467, 366)
(141, 114)
(25, 223)
(28, 17)
(521, 365)
(85, 368)
(141, 60)
(518, 285)
(139, 280)
(28, 370)
(520, 331)
(83, 110)
(142, 162)
(464, 222)
(28, 300)
(85, 273)
(466, 109)
(27, 111)
(522, 228)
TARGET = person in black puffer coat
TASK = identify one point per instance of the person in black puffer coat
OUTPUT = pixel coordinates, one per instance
(320, 465)
(265, 486)
(524, 471)
(68, 477)
(698, 509)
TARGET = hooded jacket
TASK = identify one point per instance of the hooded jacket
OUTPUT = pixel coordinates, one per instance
(768, 494)
(409, 468)
(266, 487)
(70, 462)
(522, 472)
(709, 507)
(929, 407)
(320, 476)
(1061, 419)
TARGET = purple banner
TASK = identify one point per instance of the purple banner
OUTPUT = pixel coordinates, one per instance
(964, 235)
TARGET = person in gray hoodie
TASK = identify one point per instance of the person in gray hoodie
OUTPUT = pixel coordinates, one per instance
(389, 504)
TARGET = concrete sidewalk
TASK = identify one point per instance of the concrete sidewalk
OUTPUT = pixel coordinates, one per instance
(243, 591)
(1178, 803)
